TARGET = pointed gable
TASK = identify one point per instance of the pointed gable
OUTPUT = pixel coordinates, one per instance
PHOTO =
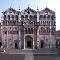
(29, 11)
(47, 11)
(10, 10)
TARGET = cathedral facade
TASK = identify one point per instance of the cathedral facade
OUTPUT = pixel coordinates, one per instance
(28, 28)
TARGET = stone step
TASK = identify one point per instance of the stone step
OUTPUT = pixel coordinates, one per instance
(44, 50)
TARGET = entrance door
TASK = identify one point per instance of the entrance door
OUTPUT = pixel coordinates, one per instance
(0, 44)
(29, 44)
(16, 45)
(42, 44)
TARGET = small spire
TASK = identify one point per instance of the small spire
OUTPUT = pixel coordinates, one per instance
(19, 7)
(46, 6)
(28, 9)
(37, 8)
(46, 3)
(28, 6)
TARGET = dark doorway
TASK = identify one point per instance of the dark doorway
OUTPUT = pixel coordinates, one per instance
(16, 45)
(42, 44)
(28, 43)
(0, 44)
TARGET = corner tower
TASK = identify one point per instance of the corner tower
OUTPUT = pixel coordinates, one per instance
(47, 28)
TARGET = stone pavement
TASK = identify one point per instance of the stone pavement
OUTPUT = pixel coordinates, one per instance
(29, 57)
(29, 54)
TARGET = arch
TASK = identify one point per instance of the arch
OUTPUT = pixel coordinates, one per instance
(52, 29)
(16, 44)
(41, 43)
(4, 29)
(29, 42)
(31, 17)
(52, 17)
(31, 30)
(42, 29)
(8, 17)
(35, 17)
(48, 17)
(12, 16)
(16, 17)
(40, 17)
(26, 17)
(0, 44)
(22, 17)
(44, 17)
(48, 29)
(4, 17)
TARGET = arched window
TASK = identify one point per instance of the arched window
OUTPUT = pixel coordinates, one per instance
(43, 23)
(5, 29)
(12, 17)
(42, 29)
(26, 31)
(4, 17)
(35, 17)
(44, 17)
(22, 17)
(4, 22)
(8, 17)
(52, 17)
(16, 17)
(26, 17)
(31, 30)
(48, 17)
(14, 22)
(48, 22)
(40, 17)
(31, 17)
(52, 29)
(48, 29)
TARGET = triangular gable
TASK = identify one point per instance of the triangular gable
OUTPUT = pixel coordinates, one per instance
(47, 10)
(29, 10)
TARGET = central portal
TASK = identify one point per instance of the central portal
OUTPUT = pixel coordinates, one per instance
(28, 42)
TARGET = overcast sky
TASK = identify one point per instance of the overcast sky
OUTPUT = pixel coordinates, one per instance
(52, 4)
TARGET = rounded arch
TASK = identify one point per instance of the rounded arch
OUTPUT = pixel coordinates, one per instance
(48, 17)
(5, 29)
(40, 17)
(44, 17)
(42, 29)
(41, 43)
(52, 29)
(47, 29)
(22, 17)
(31, 17)
(28, 37)
(26, 17)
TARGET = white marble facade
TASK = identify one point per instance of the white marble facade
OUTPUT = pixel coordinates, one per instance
(28, 28)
